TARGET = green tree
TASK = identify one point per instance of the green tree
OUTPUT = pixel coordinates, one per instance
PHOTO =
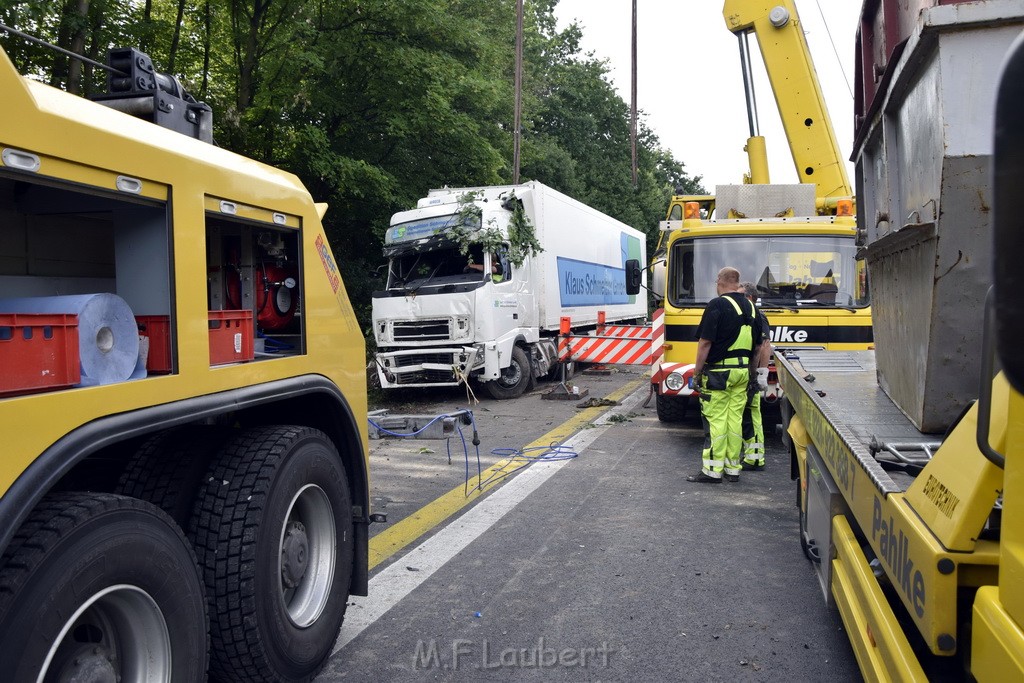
(372, 103)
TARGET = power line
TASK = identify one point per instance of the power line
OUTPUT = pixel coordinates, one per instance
(836, 51)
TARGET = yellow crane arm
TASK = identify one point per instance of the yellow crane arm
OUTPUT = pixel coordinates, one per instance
(812, 141)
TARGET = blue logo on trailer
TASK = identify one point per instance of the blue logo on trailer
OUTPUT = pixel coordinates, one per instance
(582, 283)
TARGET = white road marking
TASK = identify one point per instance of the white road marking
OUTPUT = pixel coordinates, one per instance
(395, 582)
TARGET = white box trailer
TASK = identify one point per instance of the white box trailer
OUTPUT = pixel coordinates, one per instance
(453, 310)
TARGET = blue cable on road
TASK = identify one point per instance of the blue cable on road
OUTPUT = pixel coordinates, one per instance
(528, 456)
(448, 442)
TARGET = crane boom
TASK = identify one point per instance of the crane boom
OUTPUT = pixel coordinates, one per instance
(787, 59)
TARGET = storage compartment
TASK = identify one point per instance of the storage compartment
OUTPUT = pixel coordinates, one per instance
(59, 240)
(824, 501)
(254, 265)
(156, 328)
(231, 337)
(38, 352)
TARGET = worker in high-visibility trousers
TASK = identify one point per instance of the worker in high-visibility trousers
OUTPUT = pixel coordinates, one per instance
(753, 428)
(727, 336)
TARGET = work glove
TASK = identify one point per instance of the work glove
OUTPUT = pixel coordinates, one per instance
(762, 378)
(695, 383)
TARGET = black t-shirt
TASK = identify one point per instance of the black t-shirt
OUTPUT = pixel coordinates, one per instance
(766, 330)
(721, 325)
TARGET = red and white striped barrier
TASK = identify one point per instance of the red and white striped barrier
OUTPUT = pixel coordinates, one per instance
(615, 344)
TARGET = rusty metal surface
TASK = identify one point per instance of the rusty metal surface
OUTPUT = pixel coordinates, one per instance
(928, 290)
(924, 191)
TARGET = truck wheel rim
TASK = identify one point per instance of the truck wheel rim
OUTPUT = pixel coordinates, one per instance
(307, 551)
(511, 375)
(119, 634)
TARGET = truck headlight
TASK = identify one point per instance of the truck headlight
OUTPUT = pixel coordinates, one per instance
(674, 381)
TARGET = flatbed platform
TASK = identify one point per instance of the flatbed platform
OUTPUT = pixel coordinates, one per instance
(860, 413)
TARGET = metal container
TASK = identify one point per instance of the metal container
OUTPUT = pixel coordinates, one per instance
(922, 153)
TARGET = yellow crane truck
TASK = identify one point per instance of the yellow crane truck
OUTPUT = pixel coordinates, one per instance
(908, 458)
(183, 487)
(796, 242)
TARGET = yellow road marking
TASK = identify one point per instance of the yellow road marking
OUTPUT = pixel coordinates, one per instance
(394, 538)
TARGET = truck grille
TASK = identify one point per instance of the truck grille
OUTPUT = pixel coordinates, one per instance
(422, 330)
(424, 376)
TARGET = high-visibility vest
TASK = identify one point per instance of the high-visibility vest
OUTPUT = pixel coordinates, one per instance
(743, 346)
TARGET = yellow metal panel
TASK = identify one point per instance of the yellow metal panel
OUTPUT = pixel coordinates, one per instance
(923, 573)
(879, 643)
(1011, 565)
(90, 176)
(955, 493)
(809, 227)
(236, 209)
(997, 642)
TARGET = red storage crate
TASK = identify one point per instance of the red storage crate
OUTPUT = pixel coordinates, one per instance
(158, 329)
(231, 337)
(38, 352)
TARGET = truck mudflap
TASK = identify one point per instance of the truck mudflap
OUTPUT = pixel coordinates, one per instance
(427, 367)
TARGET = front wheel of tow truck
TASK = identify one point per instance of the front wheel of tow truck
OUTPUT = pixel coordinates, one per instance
(101, 587)
(273, 531)
(514, 380)
(672, 408)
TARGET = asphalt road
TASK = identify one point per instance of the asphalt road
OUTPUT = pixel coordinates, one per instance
(609, 566)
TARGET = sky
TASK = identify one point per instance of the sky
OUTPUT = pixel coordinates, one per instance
(689, 83)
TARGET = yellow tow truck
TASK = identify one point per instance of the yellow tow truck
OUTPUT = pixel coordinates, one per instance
(797, 242)
(908, 458)
(184, 485)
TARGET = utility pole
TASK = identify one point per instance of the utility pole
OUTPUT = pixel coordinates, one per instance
(632, 107)
(517, 124)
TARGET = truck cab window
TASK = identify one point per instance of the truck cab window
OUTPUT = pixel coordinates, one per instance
(501, 269)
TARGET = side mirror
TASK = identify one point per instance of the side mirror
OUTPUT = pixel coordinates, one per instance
(634, 276)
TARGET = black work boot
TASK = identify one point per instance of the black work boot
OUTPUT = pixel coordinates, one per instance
(704, 478)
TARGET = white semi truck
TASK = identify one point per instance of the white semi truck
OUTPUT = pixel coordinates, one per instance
(463, 300)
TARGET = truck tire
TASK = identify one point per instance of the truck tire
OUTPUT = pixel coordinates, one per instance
(672, 408)
(514, 380)
(273, 531)
(807, 544)
(168, 469)
(98, 587)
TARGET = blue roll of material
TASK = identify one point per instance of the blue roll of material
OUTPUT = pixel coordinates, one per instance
(108, 336)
